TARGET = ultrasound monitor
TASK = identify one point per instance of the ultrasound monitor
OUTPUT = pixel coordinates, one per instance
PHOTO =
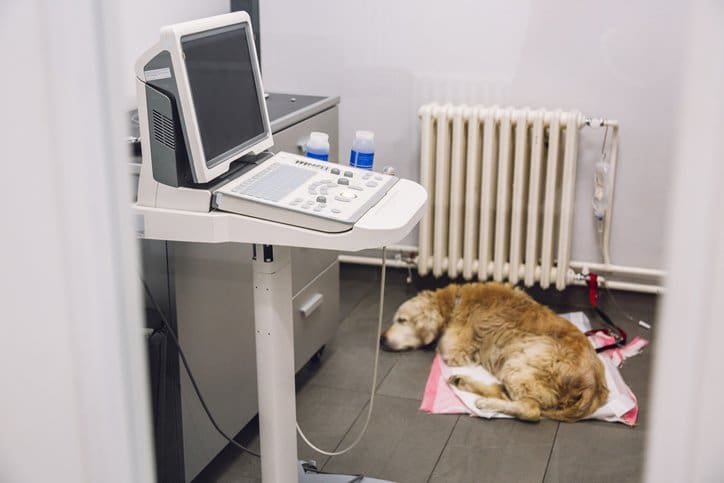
(203, 99)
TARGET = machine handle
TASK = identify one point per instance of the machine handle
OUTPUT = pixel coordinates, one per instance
(311, 305)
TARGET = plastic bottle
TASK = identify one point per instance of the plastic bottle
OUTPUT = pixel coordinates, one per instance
(363, 150)
(318, 146)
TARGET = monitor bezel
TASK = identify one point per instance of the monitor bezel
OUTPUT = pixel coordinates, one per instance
(171, 38)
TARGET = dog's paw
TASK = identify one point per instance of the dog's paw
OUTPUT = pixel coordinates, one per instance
(485, 404)
(463, 383)
(455, 380)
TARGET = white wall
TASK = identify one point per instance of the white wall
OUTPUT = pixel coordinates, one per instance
(615, 59)
(141, 21)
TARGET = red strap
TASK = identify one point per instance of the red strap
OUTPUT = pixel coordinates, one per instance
(593, 289)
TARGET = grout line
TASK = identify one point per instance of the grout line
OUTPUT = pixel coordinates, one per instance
(553, 445)
(362, 411)
(444, 447)
(344, 436)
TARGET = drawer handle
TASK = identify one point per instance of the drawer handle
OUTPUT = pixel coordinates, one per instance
(311, 305)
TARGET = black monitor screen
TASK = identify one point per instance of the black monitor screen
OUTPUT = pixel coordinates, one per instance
(223, 88)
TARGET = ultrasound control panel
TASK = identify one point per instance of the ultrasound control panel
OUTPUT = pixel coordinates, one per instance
(304, 192)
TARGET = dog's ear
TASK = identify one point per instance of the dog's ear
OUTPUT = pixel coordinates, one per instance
(429, 325)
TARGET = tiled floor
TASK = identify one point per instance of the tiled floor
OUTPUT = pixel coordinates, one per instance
(405, 445)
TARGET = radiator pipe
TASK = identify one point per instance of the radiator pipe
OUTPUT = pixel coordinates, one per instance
(608, 268)
(612, 284)
(630, 287)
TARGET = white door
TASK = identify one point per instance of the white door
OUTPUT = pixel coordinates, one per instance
(686, 440)
(73, 394)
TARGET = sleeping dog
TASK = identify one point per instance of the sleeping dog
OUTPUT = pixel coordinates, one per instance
(546, 366)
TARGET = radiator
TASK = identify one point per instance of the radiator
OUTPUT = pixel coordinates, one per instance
(501, 184)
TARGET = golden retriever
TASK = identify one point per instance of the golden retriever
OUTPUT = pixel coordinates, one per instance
(547, 366)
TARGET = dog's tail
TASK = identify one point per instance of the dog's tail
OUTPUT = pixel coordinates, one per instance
(580, 396)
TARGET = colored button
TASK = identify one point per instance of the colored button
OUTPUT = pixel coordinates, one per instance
(321, 199)
(343, 181)
(348, 174)
(334, 171)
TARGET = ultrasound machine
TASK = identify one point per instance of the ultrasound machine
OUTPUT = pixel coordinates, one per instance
(207, 176)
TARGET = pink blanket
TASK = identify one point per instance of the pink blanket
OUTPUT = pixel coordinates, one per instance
(440, 398)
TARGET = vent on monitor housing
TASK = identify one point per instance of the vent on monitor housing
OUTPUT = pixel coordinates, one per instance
(163, 130)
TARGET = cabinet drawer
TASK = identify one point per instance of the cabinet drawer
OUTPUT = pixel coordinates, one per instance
(320, 301)
(308, 263)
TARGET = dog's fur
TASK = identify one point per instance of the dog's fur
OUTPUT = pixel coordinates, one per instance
(546, 365)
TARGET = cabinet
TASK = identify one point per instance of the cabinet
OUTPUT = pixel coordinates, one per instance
(207, 290)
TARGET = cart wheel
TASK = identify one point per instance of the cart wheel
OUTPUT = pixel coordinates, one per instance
(317, 357)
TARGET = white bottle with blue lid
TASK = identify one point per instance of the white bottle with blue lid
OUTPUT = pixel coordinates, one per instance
(318, 146)
(363, 150)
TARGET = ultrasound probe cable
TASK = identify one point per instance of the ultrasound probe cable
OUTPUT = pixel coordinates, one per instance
(171, 333)
(374, 374)
(190, 374)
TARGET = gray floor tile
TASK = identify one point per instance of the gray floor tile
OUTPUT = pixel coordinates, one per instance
(408, 376)
(594, 451)
(232, 466)
(498, 450)
(351, 293)
(349, 357)
(366, 312)
(349, 366)
(325, 415)
(498, 433)
(402, 444)
(512, 464)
